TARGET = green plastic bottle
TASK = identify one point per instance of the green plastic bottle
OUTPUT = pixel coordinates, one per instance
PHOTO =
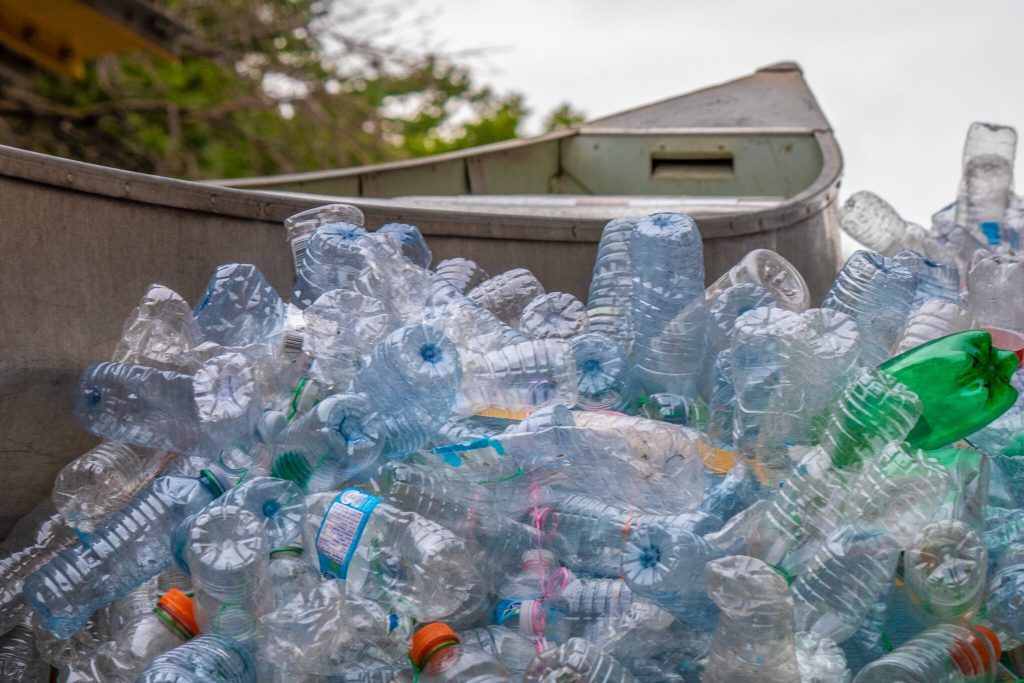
(963, 383)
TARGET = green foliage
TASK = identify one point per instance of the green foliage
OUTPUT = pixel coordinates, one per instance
(263, 87)
(564, 116)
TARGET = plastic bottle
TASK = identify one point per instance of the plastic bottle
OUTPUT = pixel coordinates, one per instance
(289, 574)
(843, 580)
(161, 333)
(668, 275)
(401, 559)
(519, 379)
(820, 660)
(945, 570)
(1003, 606)
(555, 315)
(878, 293)
(986, 183)
(509, 647)
(409, 241)
(873, 410)
(507, 294)
(963, 383)
(464, 273)
(438, 657)
(677, 410)
(733, 302)
(754, 638)
(468, 325)
(300, 227)
(609, 304)
(342, 327)
(34, 540)
(934, 280)
(947, 653)
(932, 319)
(239, 308)
(721, 402)
(122, 659)
(19, 660)
(134, 545)
(873, 222)
(335, 441)
(278, 505)
(767, 269)
(169, 410)
(207, 659)
(393, 279)
(605, 377)
(520, 605)
(227, 556)
(333, 258)
(577, 660)
(675, 361)
(993, 281)
(101, 481)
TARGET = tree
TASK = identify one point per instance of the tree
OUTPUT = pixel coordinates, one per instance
(262, 87)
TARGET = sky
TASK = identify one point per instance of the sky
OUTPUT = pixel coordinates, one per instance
(899, 80)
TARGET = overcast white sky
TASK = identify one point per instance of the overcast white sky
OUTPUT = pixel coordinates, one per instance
(900, 80)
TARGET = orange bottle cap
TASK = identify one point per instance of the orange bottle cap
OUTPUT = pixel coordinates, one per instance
(178, 607)
(992, 638)
(428, 639)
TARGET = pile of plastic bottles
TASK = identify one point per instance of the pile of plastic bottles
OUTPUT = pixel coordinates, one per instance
(433, 474)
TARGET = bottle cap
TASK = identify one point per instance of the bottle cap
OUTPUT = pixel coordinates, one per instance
(428, 639)
(533, 618)
(992, 638)
(176, 609)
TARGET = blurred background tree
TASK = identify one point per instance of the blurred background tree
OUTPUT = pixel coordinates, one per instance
(265, 87)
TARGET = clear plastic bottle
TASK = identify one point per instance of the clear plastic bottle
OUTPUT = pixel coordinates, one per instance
(239, 308)
(520, 378)
(609, 304)
(606, 380)
(675, 361)
(507, 294)
(873, 410)
(577, 660)
(754, 640)
(279, 506)
(555, 315)
(986, 183)
(333, 258)
(342, 327)
(721, 402)
(878, 293)
(767, 269)
(945, 570)
(19, 660)
(934, 280)
(401, 559)
(820, 660)
(413, 376)
(207, 659)
(947, 653)
(151, 634)
(35, 539)
(227, 556)
(289, 574)
(509, 647)
(733, 302)
(464, 273)
(161, 333)
(170, 410)
(133, 546)
(440, 658)
(300, 227)
(932, 319)
(341, 437)
(874, 223)
(994, 281)
(101, 481)
(409, 241)
(843, 580)
(668, 276)
(1004, 606)
(391, 278)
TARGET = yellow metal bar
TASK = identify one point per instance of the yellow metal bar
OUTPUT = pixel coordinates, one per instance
(61, 34)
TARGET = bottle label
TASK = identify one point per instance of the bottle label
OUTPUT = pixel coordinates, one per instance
(341, 530)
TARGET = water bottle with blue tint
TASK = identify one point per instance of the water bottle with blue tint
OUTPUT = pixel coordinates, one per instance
(239, 308)
(605, 377)
(609, 304)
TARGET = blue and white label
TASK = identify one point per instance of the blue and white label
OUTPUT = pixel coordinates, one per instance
(341, 529)
(507, 609)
